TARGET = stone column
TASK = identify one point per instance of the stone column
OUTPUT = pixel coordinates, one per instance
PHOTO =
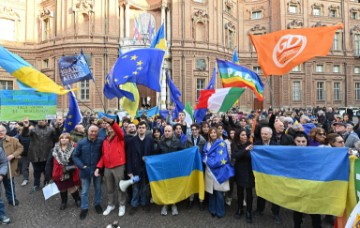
(121, 21)
(163, 87)
(127, 20)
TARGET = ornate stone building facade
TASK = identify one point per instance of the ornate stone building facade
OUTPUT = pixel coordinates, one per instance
(198, 32)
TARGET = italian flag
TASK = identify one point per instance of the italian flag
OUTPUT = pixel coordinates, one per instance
(219, 100)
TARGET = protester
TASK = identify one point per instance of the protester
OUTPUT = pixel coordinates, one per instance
(3, 171)
(228, 141)
(350, 137)
(217, 160)
(113, 159)
(139, 146)
(13, 149)
(25, 141)
(178, 131)
(78, 133)
(86, 156)
(317, 136)
(61, 169)
(204, 130)
(244, 176)
(42, 140)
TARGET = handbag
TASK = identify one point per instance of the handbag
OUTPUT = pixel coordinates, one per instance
(68, 168)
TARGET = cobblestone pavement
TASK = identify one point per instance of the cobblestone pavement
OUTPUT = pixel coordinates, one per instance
(33, 211)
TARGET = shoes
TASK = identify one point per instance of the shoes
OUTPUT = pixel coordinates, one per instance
(121, 210)
(98, 209)
(174, 210)
(146, 208)
(83, 214)
(329, 219)
(213, 215)
(77, 198)
(239, 213)
(4, 219)
(164, 210)
(108, 209)
(190, 204)
(24, 183)
(248, 217)
(34, 189)
(132, 210)
(151, 200)
(228, 201)
(201, 206)
(277, 219)
(244, 203)
(258, 213)
(16, 203)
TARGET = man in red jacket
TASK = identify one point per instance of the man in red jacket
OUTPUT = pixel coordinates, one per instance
(113, 159)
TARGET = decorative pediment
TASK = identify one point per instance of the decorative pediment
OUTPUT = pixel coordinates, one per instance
(7, 12)
(200, 16)
(84, 6)
(295, 24)
(334, 7)
(229, 4)
(318, 24)
(257, 28)
(353, 9)
(46, 13)
(257, 8)
(294, 3)
(230, 26)
(355, 30)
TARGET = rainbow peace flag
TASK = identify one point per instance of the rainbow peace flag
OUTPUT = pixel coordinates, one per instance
(312, 180)
(175, 176)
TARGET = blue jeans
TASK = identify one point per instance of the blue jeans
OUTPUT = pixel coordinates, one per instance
(139, 193)
(2, 206)
(7, 186)
(85, 185)
(216, 203)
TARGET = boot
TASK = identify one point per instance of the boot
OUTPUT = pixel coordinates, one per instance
(76, 197)
(248, 217)
(63, 196)
(239, 212)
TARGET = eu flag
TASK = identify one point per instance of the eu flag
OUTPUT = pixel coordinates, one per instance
(74, 115)
(175, 96)
(141, 66)
(112, 89)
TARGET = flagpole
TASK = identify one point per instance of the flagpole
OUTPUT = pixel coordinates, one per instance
(271, 91)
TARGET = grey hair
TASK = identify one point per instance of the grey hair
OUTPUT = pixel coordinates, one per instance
(268, 129)
(306, 118)
(3, 128)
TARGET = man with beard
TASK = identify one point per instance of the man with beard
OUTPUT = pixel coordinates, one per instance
(78, 133)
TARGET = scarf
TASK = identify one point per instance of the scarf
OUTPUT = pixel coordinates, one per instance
(61, 156)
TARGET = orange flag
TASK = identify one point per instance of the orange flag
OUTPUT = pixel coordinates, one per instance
(279, 52)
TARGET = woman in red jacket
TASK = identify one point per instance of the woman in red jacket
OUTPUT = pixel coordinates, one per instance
(64, 173)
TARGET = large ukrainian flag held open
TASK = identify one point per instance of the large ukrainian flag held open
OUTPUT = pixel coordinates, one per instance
(312, 180)
(175, 176)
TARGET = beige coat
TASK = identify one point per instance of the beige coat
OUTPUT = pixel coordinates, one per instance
(13, 146)
(211, 184)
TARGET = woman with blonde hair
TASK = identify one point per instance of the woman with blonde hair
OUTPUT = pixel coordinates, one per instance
(63, 171)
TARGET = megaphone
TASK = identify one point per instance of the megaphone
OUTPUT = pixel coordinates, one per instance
(124, 184)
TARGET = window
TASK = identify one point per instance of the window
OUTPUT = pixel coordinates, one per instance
(8, 85)
(200, 85)
(256, 14)
(337, 42)
(293, 9)
(320, 91)
(319, 68)
(85, 90)
(356, 70)
(316, 12)
(45, 64)
(357, 44)
(296, 91)
(257, 69)
(7, 28)
(336, 68)
(354, 15)
(296, 69)
(230, 38)
(357, 91)
(45, 29)
(332, 13)
(337, 91)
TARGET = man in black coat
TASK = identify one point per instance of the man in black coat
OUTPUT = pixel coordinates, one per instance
(139, 146)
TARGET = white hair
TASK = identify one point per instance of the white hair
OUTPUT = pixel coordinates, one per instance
(2, 127)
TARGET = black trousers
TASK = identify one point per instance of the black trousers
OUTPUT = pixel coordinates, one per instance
(260, 206)
(315, 220)
(249, 198)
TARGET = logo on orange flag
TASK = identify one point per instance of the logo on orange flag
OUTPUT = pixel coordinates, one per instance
(279, 52)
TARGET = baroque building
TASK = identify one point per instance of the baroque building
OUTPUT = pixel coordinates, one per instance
(198, 32)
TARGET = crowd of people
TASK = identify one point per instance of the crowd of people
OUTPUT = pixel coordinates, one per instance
(114, 150)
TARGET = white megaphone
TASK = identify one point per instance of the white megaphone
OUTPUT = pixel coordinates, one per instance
(124, 184)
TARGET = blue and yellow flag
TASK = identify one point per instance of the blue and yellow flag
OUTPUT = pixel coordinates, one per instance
(140, 66)
(28, 75)
(312, 180)
(159, 39)
(174, 96)
(74, 115)
(175, 176)
(129, 106)
(112, 88)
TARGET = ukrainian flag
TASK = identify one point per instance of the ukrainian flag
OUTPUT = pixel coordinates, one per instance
(312, 180)
(159, 40)
(175, 176)
(28, 75)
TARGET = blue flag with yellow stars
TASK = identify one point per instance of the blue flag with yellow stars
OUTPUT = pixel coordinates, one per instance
(74, 115)
(174, 96)
(218, 161)
(141, 66)
(112, 88)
